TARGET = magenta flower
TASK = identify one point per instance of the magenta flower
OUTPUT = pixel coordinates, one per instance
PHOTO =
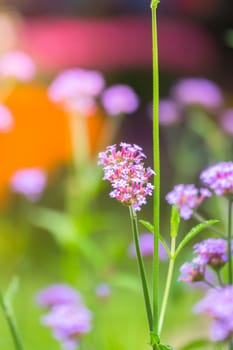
(120, 99)
(192, 271)
(146, 243)
(29, 182)
(219, 178)
(17, 65)
(187, 198)
(6, 119)
(68, 322)
(58, 294)
(218, 304)
(124, 169)
(76, 83)
(212, 252)
(226, 120)
(198, 91)
(169, 112)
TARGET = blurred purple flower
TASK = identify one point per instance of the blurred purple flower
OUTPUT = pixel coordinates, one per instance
(193, 271)
(212, 252)
(124, 169)
(218, 304)
(187, 198)
(219, 178)
(197, 91)
(169, 112)
(68, 322)
(17, 65)
(58, 294)
(226, 120)
(146, 243)
(103, 290)
(76, 83)
(29, 182)
(6, 119)
(120, 99)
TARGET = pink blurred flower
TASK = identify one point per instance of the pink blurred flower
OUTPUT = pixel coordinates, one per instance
(6, 119)
(57, 294)
(226, 121)
(120, 99)
(29, 182)
(198, 91)
(17, 65)
(169, 112)
(74, 83)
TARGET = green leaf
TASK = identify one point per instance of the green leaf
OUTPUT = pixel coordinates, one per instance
(11, 290)
(150, 228)
(192, 233)
(196, 344)
(165, 347)
(175, 221)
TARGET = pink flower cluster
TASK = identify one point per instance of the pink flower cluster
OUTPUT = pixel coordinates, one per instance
(218, 304)
(68, 317)
(219, 178)
(124, 169)
(187, 198)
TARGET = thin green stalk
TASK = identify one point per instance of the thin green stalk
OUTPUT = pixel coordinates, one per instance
(168, 284)
(229, 241)
(219, 277)
(134, 224)
(156, 168)
(11, 323)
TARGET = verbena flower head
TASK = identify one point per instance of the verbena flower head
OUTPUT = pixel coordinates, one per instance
(212, 252)
(75, 83)
(6, 119)
(124, 169)
(58, 294)
(192, 271)
(169, 112)
(120, 99)
(29, 182)
(218, 304)
(226, 121)
(198, 91)
(68, 322)
(17, 65)
(146, 243)
(219, 178)
(187, 198)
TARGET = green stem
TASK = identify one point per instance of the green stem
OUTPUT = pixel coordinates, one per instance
(229, 241)
(11, 323)
(156, 168)
(134, 224)
(168, 284)
(219, 277)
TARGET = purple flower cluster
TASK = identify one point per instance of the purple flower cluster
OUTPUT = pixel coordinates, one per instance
(6, 119)
(146, 243)
(120, 99)
(124, 169)
(17, 65)
(68, 317)
(30, 182)
(219, 178)
(218, 304)
(187, 198)
(210, 252)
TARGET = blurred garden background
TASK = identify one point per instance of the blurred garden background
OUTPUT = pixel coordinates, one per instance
(57, 222)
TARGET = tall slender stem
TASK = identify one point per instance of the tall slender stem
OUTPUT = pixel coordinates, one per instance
(168, 284)
(11, 323)
(156, 168)
(229, 241)
(133, 218)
